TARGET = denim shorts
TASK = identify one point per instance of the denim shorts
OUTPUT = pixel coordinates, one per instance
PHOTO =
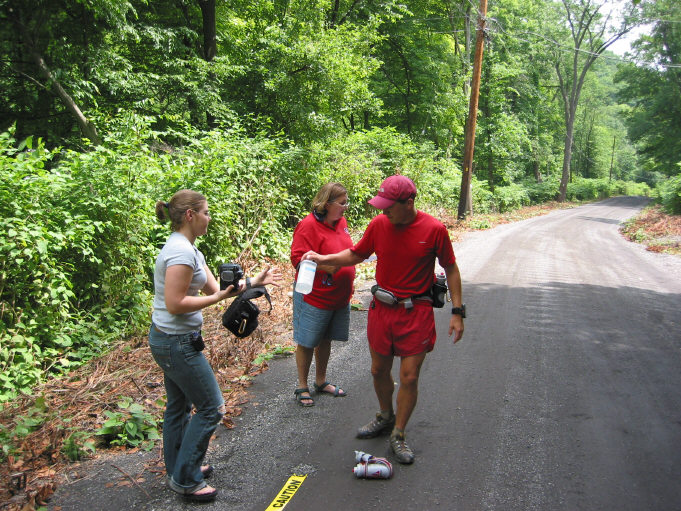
(311, 325)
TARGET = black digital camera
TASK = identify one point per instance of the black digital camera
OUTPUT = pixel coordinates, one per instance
(230, 274)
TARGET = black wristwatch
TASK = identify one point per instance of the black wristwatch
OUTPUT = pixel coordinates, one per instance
(461, 311)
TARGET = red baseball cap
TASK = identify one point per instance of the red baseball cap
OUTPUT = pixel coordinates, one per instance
(393, 189)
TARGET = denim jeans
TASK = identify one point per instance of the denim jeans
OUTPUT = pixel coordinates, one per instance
(189, 380)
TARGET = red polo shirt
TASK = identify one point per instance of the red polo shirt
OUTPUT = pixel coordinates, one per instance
(406, 253)
(330, 292)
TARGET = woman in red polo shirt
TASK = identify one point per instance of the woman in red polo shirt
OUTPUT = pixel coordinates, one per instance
(322, 315)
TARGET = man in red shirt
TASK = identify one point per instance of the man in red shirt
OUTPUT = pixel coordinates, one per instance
(401, 321)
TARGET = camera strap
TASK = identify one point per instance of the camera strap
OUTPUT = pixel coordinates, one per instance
(255, 292)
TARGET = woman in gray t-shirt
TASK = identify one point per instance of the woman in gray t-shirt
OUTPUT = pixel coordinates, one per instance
(183, 285)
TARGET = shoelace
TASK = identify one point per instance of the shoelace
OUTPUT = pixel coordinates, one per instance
(401, 445)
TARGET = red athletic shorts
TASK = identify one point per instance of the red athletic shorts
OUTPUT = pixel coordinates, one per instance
(395, 330)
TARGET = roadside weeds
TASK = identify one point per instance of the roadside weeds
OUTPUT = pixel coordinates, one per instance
(655, 229)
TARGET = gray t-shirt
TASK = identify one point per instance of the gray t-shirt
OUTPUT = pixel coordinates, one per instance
(178, 250)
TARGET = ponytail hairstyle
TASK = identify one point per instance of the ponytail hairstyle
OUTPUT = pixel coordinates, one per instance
(178, 205)
(327, 193)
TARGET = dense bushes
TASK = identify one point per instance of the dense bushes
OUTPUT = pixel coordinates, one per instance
(670, 195)
(78, 241)
(590, 189)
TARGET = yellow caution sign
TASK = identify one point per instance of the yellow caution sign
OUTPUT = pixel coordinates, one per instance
(287, 492)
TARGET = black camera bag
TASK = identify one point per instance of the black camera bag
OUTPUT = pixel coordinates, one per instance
(241, 317)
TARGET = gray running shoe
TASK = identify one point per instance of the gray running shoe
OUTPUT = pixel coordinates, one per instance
(402, 451)
(376, 426)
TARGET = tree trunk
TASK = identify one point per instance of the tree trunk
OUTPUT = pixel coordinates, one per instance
(86, 127)
(587, 150)
(537, 171)
(210, 43)
(567, 156)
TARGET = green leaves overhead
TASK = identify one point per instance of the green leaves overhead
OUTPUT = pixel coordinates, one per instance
(653, 92)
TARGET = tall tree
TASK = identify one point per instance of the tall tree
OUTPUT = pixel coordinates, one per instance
(591, 32)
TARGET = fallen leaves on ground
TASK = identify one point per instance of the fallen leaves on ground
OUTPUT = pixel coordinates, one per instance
(657, 230)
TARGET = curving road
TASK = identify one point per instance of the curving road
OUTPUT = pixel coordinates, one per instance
(564, 394)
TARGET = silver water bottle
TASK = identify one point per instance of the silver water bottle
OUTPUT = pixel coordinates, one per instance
(381, 470)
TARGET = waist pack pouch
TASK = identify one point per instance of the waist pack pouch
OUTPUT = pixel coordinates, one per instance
(439, 294)
(383, 295)
(241, 317)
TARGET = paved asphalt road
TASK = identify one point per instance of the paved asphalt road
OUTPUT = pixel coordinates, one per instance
(564, 394)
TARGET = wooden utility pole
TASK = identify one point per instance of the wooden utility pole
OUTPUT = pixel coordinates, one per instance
(465, 200)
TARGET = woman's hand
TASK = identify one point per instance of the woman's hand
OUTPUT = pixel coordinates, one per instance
(269, 276)
(228, 292)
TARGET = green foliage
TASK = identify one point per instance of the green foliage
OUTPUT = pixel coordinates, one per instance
(244, 182)
(78, 241)
(130, 426)
(588, 189)
(439, 182)
(360, 162)
(78, 445)
(541, 192)
(502, 199)
(591, 189)
(651, 87)
(479, 223)
(508, 198)
(670, 195)
(11, 435)
(72, 248)
(273, 351)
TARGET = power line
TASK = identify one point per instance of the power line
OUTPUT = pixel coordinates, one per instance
(563, 47)
(580, 50)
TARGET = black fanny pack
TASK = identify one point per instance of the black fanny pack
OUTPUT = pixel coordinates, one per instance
(436, 294)
(241, 317)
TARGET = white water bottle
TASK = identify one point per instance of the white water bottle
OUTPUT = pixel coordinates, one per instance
(363, 457)
(306, 273)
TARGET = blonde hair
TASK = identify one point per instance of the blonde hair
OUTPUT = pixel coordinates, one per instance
(327, 193)
(178, 205)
